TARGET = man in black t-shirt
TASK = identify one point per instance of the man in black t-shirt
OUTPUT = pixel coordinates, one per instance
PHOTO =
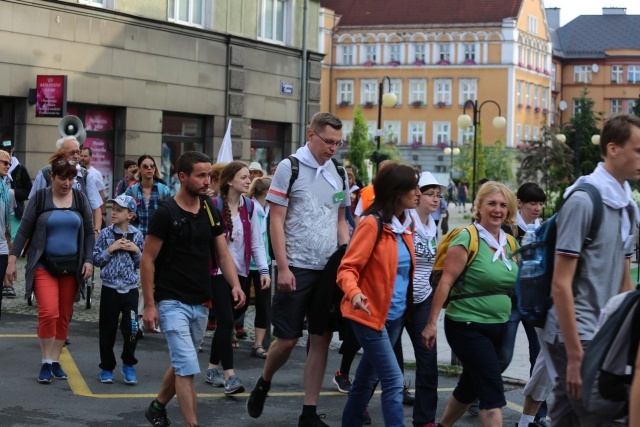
(180, 251)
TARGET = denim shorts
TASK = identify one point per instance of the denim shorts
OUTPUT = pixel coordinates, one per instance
(183, 326)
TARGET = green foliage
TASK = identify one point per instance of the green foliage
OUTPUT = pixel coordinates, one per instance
(636, 108)
(464, 162)
(583, 127)
(359, 145)
(498, 163)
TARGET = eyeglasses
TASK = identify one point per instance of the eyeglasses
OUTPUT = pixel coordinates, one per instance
(66, 162)
(147, 166)
(433, 195)
(74, 152)
(338, 144)
(4, 162)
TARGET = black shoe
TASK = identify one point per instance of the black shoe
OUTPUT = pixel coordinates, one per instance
(366, 418)
(407, 397)
(314, 421)
(255, 403)
(157, 417)
(474, 409)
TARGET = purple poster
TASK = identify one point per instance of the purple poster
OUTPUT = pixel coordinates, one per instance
(51, 96)
(102, 160)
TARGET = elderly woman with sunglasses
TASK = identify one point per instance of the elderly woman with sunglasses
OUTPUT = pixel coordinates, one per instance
(148, 192)
(59, 225)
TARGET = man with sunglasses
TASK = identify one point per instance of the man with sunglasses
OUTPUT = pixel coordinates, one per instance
(307, 226)
(83, 182)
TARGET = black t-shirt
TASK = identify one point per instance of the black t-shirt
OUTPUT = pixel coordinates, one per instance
(185, 277)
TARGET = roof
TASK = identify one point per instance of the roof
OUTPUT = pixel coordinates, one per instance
(589, 36)
(365, 13)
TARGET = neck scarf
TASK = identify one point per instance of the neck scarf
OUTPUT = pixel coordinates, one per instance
(522, 224)
(498, 245)
(400, 228)
(306, 158)
(6, 200)
(426, 231)
(14, 164)
(263, 212)
(613, 195)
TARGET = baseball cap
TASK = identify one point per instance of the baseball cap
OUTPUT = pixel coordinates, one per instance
(427, 178)
(125, 201)
(6, 144)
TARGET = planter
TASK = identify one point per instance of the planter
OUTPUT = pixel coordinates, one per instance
(441, 104)
(528, 107)
(537, 109)
(547, 72)
(469, 62)
(394, 63)
(369, 64)
(418, 63)
(520, 64)
(443, 62)
(416, 104)
(545, 111)
(441, 145)
(520, 106)
(368, 105)
(529, 67)
(344, 104)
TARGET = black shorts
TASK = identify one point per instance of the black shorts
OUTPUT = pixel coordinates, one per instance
(288, 309)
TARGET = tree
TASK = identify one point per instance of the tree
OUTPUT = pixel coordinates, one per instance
(464, 162)
(636, 107)
(359, 145)
(498, 163)
(583, 127)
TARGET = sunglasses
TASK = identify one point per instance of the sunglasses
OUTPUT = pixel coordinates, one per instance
(147, 166)
(4, 162)
(74, 152)
(338, 144)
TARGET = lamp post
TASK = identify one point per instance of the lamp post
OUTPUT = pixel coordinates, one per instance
(464, 121)
(595, 140)
(388, 100)
(451, 151)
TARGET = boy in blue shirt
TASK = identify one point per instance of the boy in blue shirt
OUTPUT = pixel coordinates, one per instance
(117, 252)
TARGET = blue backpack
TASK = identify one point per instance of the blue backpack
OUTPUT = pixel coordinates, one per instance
(534, 293)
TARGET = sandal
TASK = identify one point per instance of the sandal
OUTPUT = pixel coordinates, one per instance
(234, 341)
(259, 351)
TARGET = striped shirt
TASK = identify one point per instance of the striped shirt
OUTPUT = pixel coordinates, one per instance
(425, 257)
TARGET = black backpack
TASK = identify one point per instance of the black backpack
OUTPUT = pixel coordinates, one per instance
(295, 171)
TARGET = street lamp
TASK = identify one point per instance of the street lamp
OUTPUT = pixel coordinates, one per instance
(388, 100)
(452, 151)
(464, 121)
(595, 140)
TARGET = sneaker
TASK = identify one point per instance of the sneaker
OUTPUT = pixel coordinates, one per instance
(129, 373)
(211, 326)
(315, 421)
(366, 418)
(157, 417)
(57, 372)
(430, 425)
(9, 292)
(241, 334)
(140, 330)
(45, 376)
(542, 422)
(214, 377)
(407, 397)
(255, 403)
(343, 382)
(106, 377)
(474, 409)
(233, 386)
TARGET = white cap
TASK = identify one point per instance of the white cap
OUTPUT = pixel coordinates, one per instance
(427, 178)
(255, 166)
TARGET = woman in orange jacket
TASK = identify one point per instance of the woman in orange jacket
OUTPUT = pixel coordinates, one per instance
(376, 275)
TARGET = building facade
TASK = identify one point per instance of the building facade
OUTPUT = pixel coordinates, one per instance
(437, 58)
(160, 77)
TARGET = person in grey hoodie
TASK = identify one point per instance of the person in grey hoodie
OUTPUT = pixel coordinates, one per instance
(118, 252)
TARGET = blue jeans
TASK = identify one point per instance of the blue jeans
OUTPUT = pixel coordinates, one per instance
(509, 342)
(426, 404)
(183, 326)
(377, 363)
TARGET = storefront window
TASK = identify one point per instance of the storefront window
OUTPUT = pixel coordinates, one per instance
(6, 119)
(267, 142)
(180, 133)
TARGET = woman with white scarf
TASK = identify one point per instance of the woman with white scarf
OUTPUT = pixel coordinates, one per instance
(475, 326)
(424, 242)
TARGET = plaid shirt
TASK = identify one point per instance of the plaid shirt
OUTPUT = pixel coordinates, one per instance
(144, 211)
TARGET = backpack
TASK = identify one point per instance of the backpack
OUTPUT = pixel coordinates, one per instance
(76, 206)
(472, 252)
(534, 294)
(82, 181)
(295, 171)
(609, 359)
(218, 203)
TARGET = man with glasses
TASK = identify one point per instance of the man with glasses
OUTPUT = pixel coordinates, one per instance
(307, 226)
(83, 182)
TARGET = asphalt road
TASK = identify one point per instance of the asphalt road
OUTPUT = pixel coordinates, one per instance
(84, 401)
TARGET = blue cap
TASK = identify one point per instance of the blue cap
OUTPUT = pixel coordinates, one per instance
(126, 202)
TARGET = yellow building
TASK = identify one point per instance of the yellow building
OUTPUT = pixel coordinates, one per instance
(437, 56)
(607, 65)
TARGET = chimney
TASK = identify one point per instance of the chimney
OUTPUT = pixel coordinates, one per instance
(553, 17)
(614, 10)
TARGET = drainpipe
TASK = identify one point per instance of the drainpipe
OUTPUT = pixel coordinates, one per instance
(303, 91)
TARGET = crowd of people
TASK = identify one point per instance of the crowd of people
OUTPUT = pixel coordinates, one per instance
(183, 263)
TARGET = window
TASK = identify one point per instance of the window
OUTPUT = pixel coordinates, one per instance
(271, 20)
(395, 52)
(527, 133)
(416, 132)
(470, 52)
(419, 53)
(395, 87)
(631, 104)
(519, 94)
(370, 53)
(442, 93)
(527, 98)
(372, 128)
(444, 52)
(392, 132)
(582, 73)
(616, 74)
(345, 91)
(187, 12)
(544, 104)
(536, 96)
(633, 74)
(616, 107)
(468, 90)
(577, 103)
(518, 133)
(536, 132)
(369, 91)
(554, 72)
(466, 135)
(347, 128)
(532, 25)
(418, 91)
(347, 55)
(441, 132)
